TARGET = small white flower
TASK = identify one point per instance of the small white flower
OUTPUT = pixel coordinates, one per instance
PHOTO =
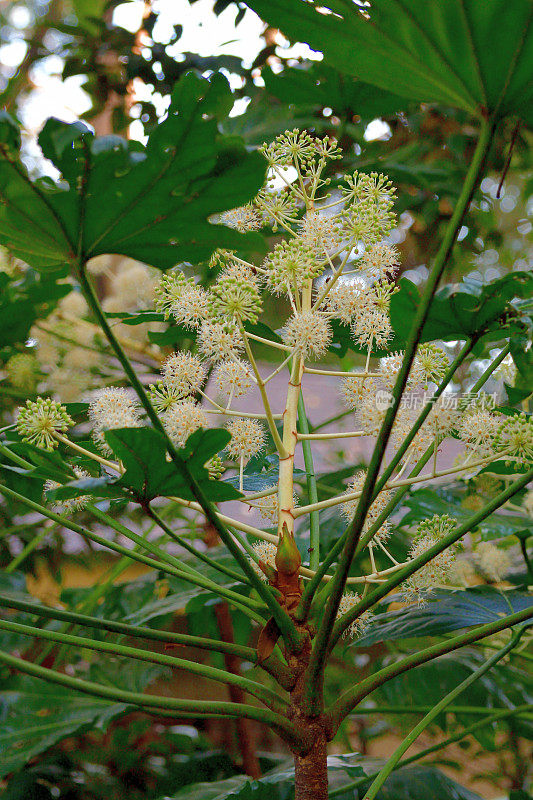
(244, 218)
(371, 327)
(72, 504)
(183, 373)
(514, 438)
(22, 371)
(492, 561)
(356, 628)
(191, 307)
(266, 552)
(247, 438)
(181, 420)
(379, 261)
(218, 341)
(232, 378)
(346, 298)
(308, 333)
(112, 408)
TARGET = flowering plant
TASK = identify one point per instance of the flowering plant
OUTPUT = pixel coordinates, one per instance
(179, 445)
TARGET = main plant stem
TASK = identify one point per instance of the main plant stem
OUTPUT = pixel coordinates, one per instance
(322, 644)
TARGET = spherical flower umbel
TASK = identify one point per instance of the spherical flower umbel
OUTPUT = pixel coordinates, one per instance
(367, 222)
(290, 146)
(290, 265)
(218, 341)
(163, 397)
(112, 408)
(443, 416)
(22, 371)
(245, 218)
(356, 628)
(434, 573)
(191, 307)
(493, 562)
(183, 419)
(514, 439)
(437, 526)
(374, 187)
(71, 504)
(232, 378)
(430, 364)
(478, 428)
(266, 553)
(308, 333)
(215, 467)
(355, 389)
(235, 297)
(379, 261)
(38, 422)
(371, 327)
(321, 231)
(183, 373)
(169, 289)
(247, 438)
(346, 298)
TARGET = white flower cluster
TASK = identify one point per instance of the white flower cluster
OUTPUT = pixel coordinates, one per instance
(110, 409)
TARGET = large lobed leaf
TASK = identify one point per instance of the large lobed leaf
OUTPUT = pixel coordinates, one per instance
(147, 471)
(409, 783)
(448, 611)
(461, 310)
(150, 203)
(463, 53)
(36, 715)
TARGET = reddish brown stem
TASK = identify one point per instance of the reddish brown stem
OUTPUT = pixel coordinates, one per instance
(250, 762)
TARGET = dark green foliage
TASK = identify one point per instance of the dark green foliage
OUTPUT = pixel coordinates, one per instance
(457, 53)
(157, 199)
(36, 715)
(444, 612)
(458, 311)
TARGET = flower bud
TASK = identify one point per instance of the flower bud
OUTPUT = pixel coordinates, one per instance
(288, 558)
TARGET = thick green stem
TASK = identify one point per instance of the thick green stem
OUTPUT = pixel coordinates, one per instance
(489, 719)
(284, 622)
(313, 585)
(156, 703)
(122, 628)
(239, 601)
(212, 673)
(349, 700)
(431, 715)
(321, 645)
(314, 517)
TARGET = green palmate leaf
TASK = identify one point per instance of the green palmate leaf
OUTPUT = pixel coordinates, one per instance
(157, 200)
(24, 301)
(424, 503)
(410, 783)
(428, 683)
(149, 474)
(461, 310)
(448, 611)
(459, 53)
(317, 84)
(36, 715)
